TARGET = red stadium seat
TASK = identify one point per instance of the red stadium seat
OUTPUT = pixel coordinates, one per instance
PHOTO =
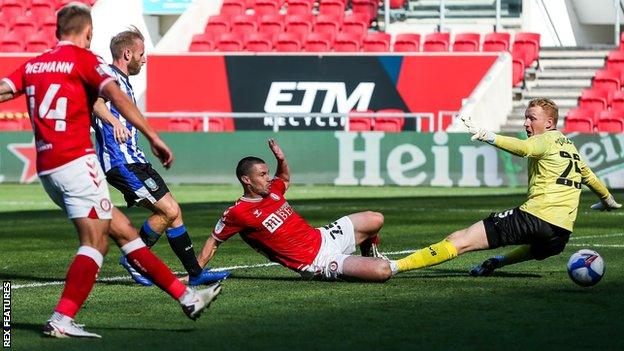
(230, 42)
(299, 7)
(397, 4)
(11, 11)
(517, 74)
(233, 7)
(376, 42)
(579, 113)
(332, 7)
(607, 80)
(3, 29)
(23, 27)
(578, 125)
(217, 25)
(300, 24)
(10, 124)
(436, 42)
(49, 28)
(467, 42)
(202, 42)
(259, 42)
(360, 124)
(355, 25)
(181, 125)
(407, 42)
(494, 42)
(271, 24)
(389, 124)
(327, 24)
(366, 7)
(244, 24)
(595, 100)
(615, 60)
(347, 42)
(288, 42)
(40, 10)
(319, 42)
(11, 43)
(217, 125)
(617, 103)
(37, 43)
(529, 44)
(266, 7)
(611, 121)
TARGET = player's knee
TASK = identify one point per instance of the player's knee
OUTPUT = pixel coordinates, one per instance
(384, 272)
(377, 218)
(170, 211)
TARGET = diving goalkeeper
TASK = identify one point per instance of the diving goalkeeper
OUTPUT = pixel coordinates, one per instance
(543, 224)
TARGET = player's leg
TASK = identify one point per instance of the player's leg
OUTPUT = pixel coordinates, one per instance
(366, 268)
(366, 226)
(79, 189)
(167, 216)
(144, 261)
(464, 240)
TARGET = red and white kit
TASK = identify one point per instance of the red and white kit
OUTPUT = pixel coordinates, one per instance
(61, 86)
(273, 228)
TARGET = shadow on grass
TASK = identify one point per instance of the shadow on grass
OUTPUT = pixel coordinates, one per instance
(38, 328)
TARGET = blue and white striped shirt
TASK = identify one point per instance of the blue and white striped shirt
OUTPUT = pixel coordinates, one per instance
(110, 153)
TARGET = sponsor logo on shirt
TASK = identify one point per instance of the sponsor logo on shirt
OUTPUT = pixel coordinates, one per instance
(272, 222)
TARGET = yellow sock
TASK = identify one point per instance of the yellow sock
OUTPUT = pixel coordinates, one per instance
(428, 256)
(517, 255)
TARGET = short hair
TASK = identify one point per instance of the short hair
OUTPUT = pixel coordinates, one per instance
(72, 19)
(245, 164)
(548, 106)
(124, 40)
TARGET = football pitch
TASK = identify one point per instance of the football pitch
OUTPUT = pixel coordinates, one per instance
(525, 307)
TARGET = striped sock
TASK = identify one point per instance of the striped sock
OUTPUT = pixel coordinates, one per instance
(149, 236)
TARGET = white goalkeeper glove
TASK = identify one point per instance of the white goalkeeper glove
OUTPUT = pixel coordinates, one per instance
(478, 133)
(606, 204)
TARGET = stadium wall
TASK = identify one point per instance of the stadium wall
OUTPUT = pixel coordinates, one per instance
(343, 158)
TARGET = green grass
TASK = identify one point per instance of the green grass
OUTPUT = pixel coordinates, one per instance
(528, 306)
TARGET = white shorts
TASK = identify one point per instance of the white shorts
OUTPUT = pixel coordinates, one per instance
(338, 243)
(80, 189)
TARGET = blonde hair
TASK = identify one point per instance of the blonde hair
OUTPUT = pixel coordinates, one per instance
(548, 106)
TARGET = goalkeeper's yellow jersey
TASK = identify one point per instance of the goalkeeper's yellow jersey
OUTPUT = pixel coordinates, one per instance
(556, 173)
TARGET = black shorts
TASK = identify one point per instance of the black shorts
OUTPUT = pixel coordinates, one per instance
(137, 181)
(516, 227)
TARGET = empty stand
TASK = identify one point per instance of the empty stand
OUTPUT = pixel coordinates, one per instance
(347, 42)
(498, 41)
(528, 44)
(594, 100)
(259, 42)
(407, 42)
(244, 24)
(376, 42)
(389, 124)
(318, 42)
(288, 42)
(231, 42)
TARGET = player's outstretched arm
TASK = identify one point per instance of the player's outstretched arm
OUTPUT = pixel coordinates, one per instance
(208, 251)
(112, 92)
(282, 170)
(607, 202)
(102, 112)
(6, 93)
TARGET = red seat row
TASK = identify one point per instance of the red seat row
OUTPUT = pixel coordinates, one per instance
(589, 121)
(382, 124)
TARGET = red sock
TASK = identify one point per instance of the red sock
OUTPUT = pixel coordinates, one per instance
(79, 281)
(365, 246)
(144, 261)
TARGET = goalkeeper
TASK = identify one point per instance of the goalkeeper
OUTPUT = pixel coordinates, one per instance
(543, 224)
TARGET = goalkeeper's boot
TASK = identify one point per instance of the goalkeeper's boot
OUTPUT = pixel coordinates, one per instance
(372, 249)
(59, 326)
(207, 277)
(138, 277)
(487, 267)
(195, 301)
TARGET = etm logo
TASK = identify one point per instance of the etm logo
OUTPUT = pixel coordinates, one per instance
(280, 97)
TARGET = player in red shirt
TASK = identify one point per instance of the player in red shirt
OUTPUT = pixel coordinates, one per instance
(61, 86)
(267, 222)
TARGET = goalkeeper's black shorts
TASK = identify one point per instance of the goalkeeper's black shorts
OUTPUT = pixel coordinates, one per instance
(516, 227)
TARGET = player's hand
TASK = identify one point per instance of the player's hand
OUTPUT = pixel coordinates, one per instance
(477, 132)
(277, 151)
(606, 204)
(162, 151)
(121, 133)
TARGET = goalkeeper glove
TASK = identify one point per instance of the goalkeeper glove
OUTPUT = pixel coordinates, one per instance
(478, 133)
(606, 204)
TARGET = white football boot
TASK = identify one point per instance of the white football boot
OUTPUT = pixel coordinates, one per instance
(61, 326)
(195, 301)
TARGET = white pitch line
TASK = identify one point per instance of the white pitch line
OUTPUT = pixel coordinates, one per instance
(596, 236)
(597, 245)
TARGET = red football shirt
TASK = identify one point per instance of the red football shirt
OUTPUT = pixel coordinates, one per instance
(61, 86)
(272, 227)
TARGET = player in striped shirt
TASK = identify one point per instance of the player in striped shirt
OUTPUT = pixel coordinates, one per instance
(128, 170)
(543, 224)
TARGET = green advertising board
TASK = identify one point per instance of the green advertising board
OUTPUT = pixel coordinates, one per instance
(342, 158)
